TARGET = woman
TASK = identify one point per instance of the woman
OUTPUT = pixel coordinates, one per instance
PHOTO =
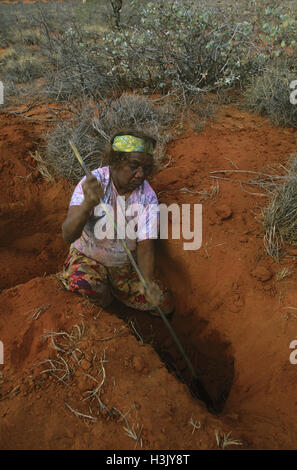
(97, 264)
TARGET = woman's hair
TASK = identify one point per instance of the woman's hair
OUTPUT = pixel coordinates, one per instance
(113, 157)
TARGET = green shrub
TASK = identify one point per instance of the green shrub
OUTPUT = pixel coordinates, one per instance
(180, 44)
(278, 26)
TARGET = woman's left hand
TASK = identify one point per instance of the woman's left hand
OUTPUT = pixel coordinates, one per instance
(152, 292)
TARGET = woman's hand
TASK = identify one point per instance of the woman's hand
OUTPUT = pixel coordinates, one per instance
(152, 292)
(93, 192)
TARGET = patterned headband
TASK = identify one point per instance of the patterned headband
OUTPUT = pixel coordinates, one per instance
(128, 143)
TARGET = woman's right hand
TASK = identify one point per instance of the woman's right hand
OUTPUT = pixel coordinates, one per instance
(93, 191)
(152, 292)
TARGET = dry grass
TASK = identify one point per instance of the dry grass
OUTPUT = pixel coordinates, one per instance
(138, 335)
(283, 273)
(214, 191)
(9, 54)
(269, 94)
(59, 369)
(94, 394)
(68, 355)
(195, 424)
(280, 217)
(23, 68)
(133, 431)
(224, 441)
(78, 414)
(13, 392)
(24, 36)
(42, 167)
(37, 311)
(90, 129)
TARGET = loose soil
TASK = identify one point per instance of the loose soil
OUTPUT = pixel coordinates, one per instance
(114, 379)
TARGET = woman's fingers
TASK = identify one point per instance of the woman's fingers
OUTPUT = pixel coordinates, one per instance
(153, 293)
(93, 191)
(141, 288)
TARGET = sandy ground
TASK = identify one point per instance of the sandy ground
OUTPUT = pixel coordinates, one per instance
(120, 369)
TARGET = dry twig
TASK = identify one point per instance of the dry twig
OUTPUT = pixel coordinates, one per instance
(79, 414)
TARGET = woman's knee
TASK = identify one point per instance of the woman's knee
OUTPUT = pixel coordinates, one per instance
(92, 288)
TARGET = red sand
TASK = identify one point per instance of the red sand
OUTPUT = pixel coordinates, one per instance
(232, 313)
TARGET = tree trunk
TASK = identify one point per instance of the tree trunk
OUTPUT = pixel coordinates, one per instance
(116, 6)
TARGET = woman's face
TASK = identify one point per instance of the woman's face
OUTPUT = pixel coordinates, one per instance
(132, 171)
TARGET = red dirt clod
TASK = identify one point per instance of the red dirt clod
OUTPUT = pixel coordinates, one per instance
(138, 363)
(224, 212)
(262, 274)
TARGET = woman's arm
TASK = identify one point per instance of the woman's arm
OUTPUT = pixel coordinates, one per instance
(146, 258)
(146, 262)
(78, 216)
(74, 223)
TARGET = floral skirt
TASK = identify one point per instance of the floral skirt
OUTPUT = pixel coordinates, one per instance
(99, 283)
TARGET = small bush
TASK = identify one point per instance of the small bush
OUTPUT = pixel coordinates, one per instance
(7, 22)
(10, 54)
(186, 46)
(23, 69)
(280, 218)
(74, 69)
(131, 110)
(58, 156)
(27, 37)
(269, 94)
(92, 127)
